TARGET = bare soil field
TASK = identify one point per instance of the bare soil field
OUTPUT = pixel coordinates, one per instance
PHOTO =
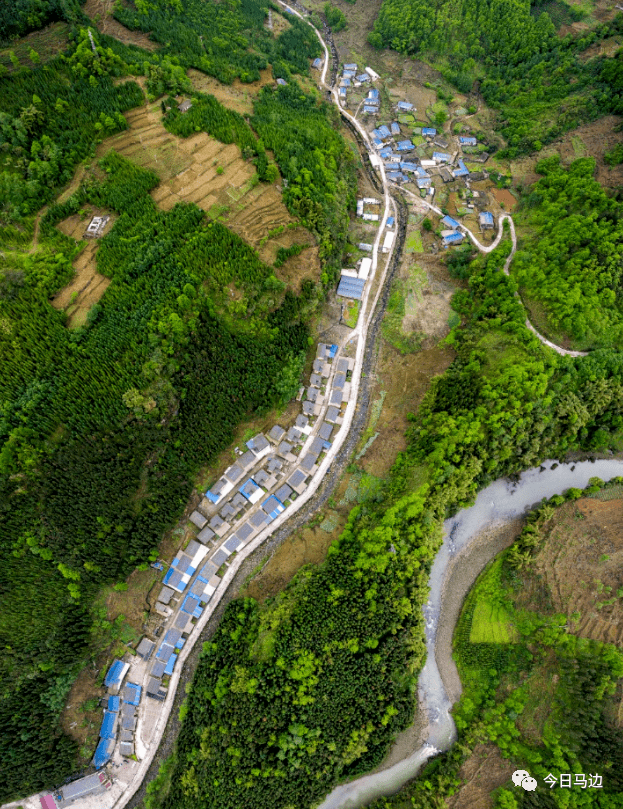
(579, 568)
(236, 96)
(83, 725)
(483, 772)
(100, 11)
(87, 286)
(47, 42)
(591, 139)
(215, 177)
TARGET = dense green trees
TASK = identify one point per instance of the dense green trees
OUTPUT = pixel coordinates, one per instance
(571, 261)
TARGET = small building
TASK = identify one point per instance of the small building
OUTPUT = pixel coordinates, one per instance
(284, 450)
(364, 268)
(309, 407)
(360, 207)
(337, 397)
(166, 594)
(372, 200)
(103, 753)
(184, 106)
(486, 220)
(154, 690)
(129, 722)
(220, 557)
(294, 435)
(238, 502)
(325, 431)
(396, 177)
(282, 82)
(302, 422)
(244, 533)
(91, 785)
(451, 223)
(128, 710)
(47, 802)
(373, 75)
(157, 670)
(429, 131)
(462, 170)
(441, 142)
(344, 82)
(308, 464)
(333, 414)
(206, 535)
(251, 491)
(383, 133)
(453, 238)
(274, 465)
(126, 736)
(441, 157)
(349, 74)
(369, 110)
(351, 66)
(258, 520)
(276, 434)
(283, 493)
(317, 63)
(219, 526)
(219, 490)
(342, 92)
(132, 691)
(370, 217)
(446, 175)
(343, 365)
(232, 544)
(259, 446)
(373, 94)
(273, 507)
(404, 106)
(96, 226)
(234, 473)
(364, 247)
(126, 749)
(311, 395)
(108, 727)
(115, 675)
(261, 477)
(298, 481)
(113, 703)
(362, 78)
(388, 241)
(315, 381)
(395, 128)
(145, 649)
(405, 146)
(467, 141)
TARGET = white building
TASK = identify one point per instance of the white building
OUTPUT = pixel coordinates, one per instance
(364, 268)
(389, 240)
(373, 75)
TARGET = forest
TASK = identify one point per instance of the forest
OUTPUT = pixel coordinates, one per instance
(278, 705)
(539, 696)
(571, 259)
(540, 83)
(111, 417)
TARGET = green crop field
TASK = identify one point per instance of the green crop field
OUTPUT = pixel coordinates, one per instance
(490, 624)
(414, 242)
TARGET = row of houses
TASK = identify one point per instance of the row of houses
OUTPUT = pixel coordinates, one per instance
(88, 787)
(351, 78)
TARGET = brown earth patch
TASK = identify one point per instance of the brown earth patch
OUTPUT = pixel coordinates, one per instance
(48, 42)
(405, 379)
(483, 772)
(280, 24)
(87, 286)
(237, 96)
(579, 568)
(106, 23)
(592, 139)
(80, 724)
(504, 198)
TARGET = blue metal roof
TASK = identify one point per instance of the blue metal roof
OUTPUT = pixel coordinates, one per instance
(317, 62)
(372, 111)
(273, 507)
(441, 156)
(396, 176)
(429, 131)
(406, 166)
(351, 66)
(387, 152)
(282, 82)
(332, 350)
(452, 238)
(107, 731)
(486, 218)
(345, 82)
(349, 74)
(351, 287)
(404, 146)
(373, 93)
(113, 703)
(114, 673)
(168, 669)
(189, 604)
(103, 752)
(342, 92)
(249, 488)
(451, 223)
(213, 498)
(363, 77)
(383, 131)
(390, 221)
(422, 182)
(468, 141)
(395, 128)
(134, 696)
(404, 105)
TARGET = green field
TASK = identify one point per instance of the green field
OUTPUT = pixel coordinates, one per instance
(414, 242)
(490, 624)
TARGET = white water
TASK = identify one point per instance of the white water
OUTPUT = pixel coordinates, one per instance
(501, 501)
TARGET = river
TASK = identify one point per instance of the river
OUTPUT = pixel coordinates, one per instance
(500, 502)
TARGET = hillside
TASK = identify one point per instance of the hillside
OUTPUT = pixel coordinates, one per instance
(127, 360)
(538, 648)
